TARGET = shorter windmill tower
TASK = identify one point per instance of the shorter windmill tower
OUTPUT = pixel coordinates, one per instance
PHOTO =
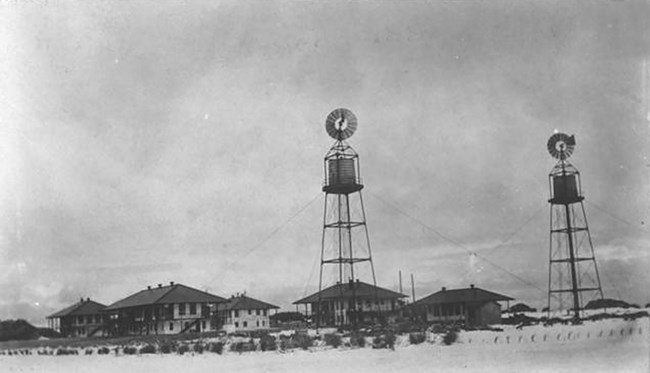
(573, 275)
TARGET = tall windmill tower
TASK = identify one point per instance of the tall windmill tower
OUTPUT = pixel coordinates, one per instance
(573, 275)
(345, 242)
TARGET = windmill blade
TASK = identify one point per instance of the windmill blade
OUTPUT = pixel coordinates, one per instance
(341, 123)
(561, 145)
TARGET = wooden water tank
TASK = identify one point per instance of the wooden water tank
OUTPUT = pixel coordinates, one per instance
(341, 171)
(341, 176)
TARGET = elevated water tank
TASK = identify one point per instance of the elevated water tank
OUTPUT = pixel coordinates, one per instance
(565, 190)
(341, 176)
(341, 171)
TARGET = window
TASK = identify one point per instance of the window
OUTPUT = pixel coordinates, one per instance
(89, 319)
(245, 324)
(181, 309)
(264, 312)
(171, 326)
(203, 324)
(98, 318)
(257, 312)
(250, 312)
(186, 324)
(257, 323)
(263, 323)
(80, 319)
(236, 313)
(236, 324)
(192, 308)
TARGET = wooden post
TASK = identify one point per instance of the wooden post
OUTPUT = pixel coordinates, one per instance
(413, 287)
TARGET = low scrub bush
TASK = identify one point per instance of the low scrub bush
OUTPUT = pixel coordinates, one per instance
(216, 347)
(450, 337)
(103, 351)
(243, 346)
(62, 351)
(417, 338)
(183, 349)
(357, 340)
(167, 347)
(384, 340)
(129, 350)
(89, 351)
(148, 349)
(302, 341)
(267, 342)
(333, 340)
(198, 347)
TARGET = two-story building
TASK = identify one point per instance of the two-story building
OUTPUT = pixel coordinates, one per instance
(242, 313)
(170, 309)
(82, 319)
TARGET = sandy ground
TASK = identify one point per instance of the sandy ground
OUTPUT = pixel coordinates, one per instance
(623, 346)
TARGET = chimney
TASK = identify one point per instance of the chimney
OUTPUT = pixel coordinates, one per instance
(159, 285)
(81, 299)
(148, 287)
(471, 286)
(88, 299)
(351, 283)
(171, 283)
(444, 288)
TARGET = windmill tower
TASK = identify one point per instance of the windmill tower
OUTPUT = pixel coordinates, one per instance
(345, 242)
(573, 275)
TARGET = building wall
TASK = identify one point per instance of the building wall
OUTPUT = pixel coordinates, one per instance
(82, 326)
(246, 320)
(481, 314)
(489, 313)
(337, 312)
(445, 312)
(168, 319)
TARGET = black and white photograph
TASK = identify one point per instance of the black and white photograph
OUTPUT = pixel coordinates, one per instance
(324, 186)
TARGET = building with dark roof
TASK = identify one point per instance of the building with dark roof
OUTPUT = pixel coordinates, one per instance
(471, 306)
(242, 313)
(82, 319)
(350, 303)
(168, 309)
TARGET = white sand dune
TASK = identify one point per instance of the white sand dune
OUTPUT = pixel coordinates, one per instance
(603, 346)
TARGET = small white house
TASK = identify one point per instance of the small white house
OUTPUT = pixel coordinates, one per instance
(243, 314)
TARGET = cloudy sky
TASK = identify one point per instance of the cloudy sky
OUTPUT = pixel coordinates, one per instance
(147, 142)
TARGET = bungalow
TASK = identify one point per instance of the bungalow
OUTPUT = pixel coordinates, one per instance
(471, 306)
(82, 319)
(168, 309)
(351, 303)
(242, 313)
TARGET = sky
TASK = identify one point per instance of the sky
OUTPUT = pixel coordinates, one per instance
(146, 142)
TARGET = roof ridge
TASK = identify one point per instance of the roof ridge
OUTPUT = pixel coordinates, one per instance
(166, 293)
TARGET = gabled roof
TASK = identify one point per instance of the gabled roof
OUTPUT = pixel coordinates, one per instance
(174, 293)
(467, 295)
(243, 302)
(85, 307)
(360, 290)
